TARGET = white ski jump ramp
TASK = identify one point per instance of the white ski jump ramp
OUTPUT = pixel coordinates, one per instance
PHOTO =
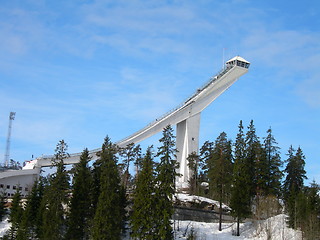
(186, 117)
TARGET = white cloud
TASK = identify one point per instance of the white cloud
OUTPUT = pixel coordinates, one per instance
(309, 90)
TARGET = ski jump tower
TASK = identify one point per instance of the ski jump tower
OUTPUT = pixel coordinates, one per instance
(186, 118)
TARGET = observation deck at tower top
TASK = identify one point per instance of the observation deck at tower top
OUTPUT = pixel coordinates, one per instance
(233, 69)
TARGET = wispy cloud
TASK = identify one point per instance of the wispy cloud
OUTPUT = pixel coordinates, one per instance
(80, 70)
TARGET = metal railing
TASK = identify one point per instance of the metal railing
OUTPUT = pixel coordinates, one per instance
(183, 104)
(186, 102)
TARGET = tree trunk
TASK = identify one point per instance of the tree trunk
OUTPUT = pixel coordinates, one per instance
(220, 216)
(238, 226)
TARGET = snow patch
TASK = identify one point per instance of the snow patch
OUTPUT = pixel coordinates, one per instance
(274, 227)
(182, 197)
(4, 226)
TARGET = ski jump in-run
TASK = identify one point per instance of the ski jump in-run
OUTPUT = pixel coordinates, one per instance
(186, 117)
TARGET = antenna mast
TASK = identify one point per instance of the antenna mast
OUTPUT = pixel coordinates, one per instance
(7, 154)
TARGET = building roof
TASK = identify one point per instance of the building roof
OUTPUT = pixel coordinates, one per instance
(238, 58)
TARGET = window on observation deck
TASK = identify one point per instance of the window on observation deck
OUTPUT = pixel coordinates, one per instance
(242, 64)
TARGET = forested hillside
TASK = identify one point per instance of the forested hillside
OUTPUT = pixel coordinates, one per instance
(104, 199)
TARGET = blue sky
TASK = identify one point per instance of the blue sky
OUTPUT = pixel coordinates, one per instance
(81, 70)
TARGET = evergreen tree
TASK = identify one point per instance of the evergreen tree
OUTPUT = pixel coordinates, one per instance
(262, 172)
(206, 152)
(166, 174)
(80, 204)
(306, 212)
(220, 171)
(15, 216)
(96, 172)
(130, 153)
(3, 209)
(95, 187)
(274, 164)
(293, 183)
(241, 191)
(143, 217)
(44, 182)
(29, 228)
(56, 197)
(253, 152)
(311, 226)
(108, 219)
(193, 164)
(295, 172)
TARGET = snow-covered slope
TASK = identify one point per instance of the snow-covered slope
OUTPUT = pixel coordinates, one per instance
(275, 227)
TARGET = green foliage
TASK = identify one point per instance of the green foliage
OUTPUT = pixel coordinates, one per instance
(220, 168)
(130, 153)
(220, 171)
(30, 225)
(262, 171)
(166, 174)
(108, 219)
(80, 212)
(295, 171)
(15, 216)
(144, 217)
(274, 163)
(304, 214)
(242, 177)
(56, 198)
(206, 152)
(253, 153)
(293, 184)
(193, 164)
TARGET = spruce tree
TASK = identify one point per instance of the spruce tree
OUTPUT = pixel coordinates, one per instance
(130, 153)
(206, 152)
(295, 172)
(80, 211)
(108, 219)
(143, 216)
(193, 164)
(262, 172)
(95, 186)
(274, 162)
(44, 182)
(15, 216)
(253, 151)
(166, 174)
(56, 197)
(293, 183)
(241, 191)
(29, 228)
(312, 224)
(220, 172)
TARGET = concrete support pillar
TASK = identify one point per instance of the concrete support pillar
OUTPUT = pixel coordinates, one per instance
(187, 141)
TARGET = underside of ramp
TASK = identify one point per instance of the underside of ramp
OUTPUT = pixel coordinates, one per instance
(186, 117)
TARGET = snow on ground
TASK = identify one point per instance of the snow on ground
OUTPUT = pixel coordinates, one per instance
(4, 226)
(275, 226)
(197, 199)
